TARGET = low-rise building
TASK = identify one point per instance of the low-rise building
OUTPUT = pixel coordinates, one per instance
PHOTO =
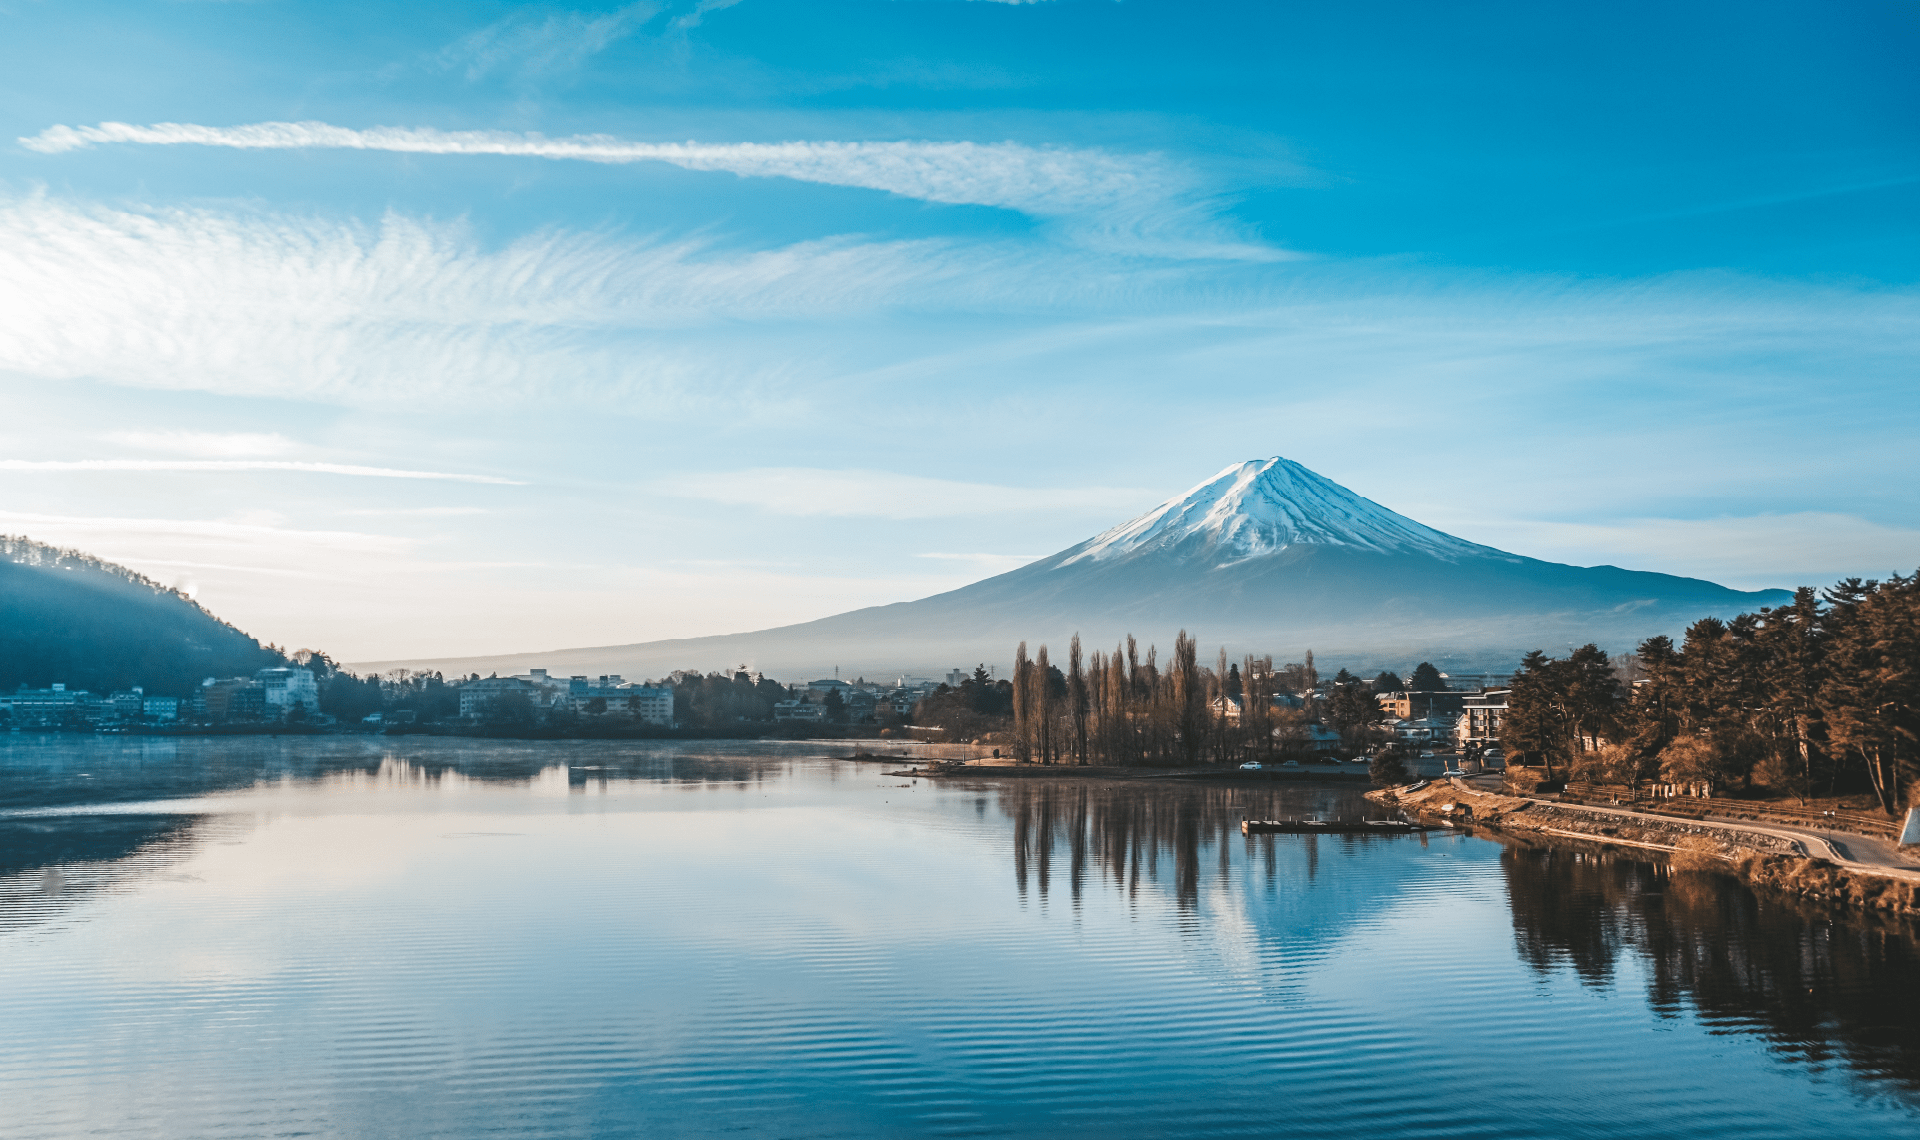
(233, 699)
(650, 703)
(491, 695)
(1319, 737)
(612, 694)
(1417, 705)
(1235, 707)
(50, 707)
(1423, 731)
(1309, 737)
(160, 710)
(1480, 716)
(799, 710)
(284, 688)
(544, 687)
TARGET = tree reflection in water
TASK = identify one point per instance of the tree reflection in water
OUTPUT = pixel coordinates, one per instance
(1124, 829)
(1822, 988)
(1830, 990)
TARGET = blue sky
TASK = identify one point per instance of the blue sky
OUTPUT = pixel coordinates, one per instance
(709, 316)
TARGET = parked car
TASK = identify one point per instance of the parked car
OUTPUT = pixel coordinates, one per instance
(1250, 766)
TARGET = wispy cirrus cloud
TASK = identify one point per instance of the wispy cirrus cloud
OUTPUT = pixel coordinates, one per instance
(533, 43)
(244, 465)
(409, 312)
(1139, 203)
(694, 18)
(855, 493)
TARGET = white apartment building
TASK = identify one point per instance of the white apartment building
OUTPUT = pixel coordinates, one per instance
(578, 694)
(477, 697)
(286, 688)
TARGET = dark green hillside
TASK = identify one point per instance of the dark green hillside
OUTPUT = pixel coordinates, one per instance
(67, 616)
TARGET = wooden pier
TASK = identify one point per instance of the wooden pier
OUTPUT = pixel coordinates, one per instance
(1330, 826)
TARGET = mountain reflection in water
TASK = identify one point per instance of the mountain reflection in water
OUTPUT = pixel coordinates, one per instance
(1822, 987)
(416, 937)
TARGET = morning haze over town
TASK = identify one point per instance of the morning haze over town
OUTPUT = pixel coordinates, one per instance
(1013, 568)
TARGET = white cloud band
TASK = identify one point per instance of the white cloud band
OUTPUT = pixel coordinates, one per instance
(1041, 181)
(241, 465)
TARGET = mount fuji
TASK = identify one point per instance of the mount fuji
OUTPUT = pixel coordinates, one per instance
(1265, 557)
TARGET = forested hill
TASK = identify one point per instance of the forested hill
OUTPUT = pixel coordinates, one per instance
(69, 617)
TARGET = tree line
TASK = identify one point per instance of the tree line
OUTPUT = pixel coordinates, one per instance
(1816, 696)
(1123, 708)
(709, 701)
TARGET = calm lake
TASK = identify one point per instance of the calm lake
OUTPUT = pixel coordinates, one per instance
(418, 937)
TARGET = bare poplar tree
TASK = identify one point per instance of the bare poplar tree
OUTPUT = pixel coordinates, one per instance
(1095, 701)
(1187, 696)
(1077, 701)
(1022, 710)
(1256, 703)
(1220, 753)
(1043, 707)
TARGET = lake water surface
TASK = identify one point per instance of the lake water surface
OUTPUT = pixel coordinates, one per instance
(418, 937)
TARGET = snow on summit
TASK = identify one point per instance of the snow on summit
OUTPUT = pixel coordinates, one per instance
(1264, 506)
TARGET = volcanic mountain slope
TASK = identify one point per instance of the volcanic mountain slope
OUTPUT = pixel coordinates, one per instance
(1265, 557)
(71, 618)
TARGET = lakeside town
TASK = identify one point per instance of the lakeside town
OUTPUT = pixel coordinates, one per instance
(1033, 569)
(1309, 717)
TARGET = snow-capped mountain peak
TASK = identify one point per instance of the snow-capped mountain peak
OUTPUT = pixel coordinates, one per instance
(1264, 506)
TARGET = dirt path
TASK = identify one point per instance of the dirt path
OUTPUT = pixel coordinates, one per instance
(1860, 853)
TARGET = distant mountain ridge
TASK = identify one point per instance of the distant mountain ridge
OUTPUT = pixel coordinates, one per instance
(68, 617)
(1264, 557)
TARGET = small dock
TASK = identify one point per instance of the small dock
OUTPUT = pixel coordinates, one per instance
(1330, 826)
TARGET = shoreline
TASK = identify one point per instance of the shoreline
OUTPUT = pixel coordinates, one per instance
(992, 771)
(1780, 857)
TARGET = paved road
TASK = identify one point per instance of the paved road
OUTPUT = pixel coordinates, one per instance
(1858, 852)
